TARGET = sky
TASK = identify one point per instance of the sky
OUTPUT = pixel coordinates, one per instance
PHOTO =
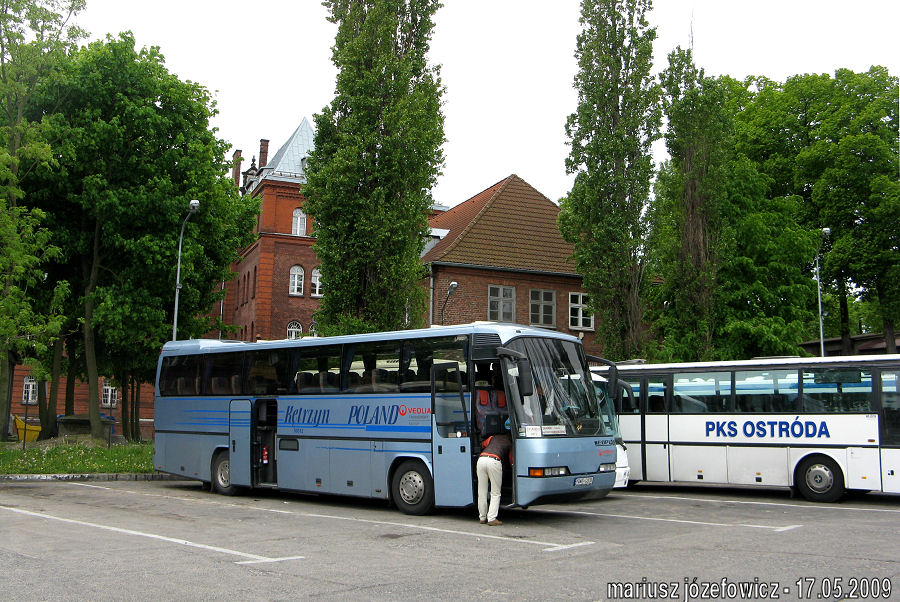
(508, 66)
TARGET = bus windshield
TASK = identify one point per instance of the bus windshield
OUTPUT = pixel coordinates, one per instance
(564, 401)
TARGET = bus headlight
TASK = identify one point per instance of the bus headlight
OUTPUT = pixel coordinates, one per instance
(555, 471)
(611, 467)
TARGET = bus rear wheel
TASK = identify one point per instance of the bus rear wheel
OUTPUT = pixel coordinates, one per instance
(412, 488)
(819, 479)
(221, 475)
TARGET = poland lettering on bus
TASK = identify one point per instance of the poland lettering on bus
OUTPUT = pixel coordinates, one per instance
(782, 429)
(365, 414)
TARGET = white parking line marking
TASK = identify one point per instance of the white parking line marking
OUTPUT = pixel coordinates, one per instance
(811, 505)
(256, 558)
(548, 546)
(671, 520)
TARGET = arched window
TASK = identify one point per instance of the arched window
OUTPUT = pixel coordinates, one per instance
(294, 330)
(298, 224)
(296, 284)
(315, 283)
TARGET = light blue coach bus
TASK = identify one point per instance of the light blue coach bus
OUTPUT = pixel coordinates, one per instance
(397, 415)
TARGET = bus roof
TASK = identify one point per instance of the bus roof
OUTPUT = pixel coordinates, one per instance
(837, 360)
(506, 332)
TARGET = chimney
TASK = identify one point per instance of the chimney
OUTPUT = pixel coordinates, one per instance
(236, 161)
(263, 152)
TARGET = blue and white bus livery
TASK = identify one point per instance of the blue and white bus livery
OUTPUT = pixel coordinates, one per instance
(387, 415)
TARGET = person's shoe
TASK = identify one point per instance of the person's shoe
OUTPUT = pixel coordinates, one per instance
(494, 523)
(483, 521)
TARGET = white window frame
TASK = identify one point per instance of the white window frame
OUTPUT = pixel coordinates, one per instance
(497, 293)
(295, 284)
(578, 312)
(315, 284)
(109, 395)
(294, 329)
(542, 303)
(298, 223)
(29, 391)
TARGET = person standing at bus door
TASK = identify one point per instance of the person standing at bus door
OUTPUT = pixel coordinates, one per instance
(490, 476)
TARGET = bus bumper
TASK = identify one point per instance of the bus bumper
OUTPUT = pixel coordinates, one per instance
(531, 489)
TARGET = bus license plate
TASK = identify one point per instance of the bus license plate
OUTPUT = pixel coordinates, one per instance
(579, 481)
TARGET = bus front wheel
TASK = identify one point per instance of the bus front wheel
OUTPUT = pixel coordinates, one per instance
(819, 479)
(221, 475)
(412, 488)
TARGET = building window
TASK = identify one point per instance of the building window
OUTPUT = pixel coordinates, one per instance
(543, 308)
(296, 285)
(501, 303)
(109, 397)
(315, 283)
(579, 318)
(298, 224)
(294, 330)
(29, 391)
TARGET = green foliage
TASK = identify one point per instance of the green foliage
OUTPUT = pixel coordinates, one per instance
(833, 142)
(610, 133)
(34, 39)
(377, 154)
(80, 458)
(133, 146)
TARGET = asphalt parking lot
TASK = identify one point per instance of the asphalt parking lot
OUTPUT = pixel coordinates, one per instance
(174, 540)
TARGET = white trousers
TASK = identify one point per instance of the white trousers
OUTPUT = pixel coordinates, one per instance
(489, 471)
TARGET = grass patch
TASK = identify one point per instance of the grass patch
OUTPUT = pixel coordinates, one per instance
(75, 455)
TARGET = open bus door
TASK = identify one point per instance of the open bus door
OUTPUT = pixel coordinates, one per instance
(239, 419)
(451, 443)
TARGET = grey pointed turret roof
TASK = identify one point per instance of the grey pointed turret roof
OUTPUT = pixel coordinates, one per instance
(288, 164)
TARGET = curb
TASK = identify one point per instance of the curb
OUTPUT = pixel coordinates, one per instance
(92, 477)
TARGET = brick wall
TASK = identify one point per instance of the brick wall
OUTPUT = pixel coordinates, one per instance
(469, 303)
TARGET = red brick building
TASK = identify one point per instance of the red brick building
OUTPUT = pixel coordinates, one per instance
(509, 262)
(277, 288)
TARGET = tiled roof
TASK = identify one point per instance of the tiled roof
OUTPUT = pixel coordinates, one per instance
(510, 225)
(287, 164)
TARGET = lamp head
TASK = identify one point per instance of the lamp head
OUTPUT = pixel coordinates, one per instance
(194, 206)
(826, 232)
(453, 286)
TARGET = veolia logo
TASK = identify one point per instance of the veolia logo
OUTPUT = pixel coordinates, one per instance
(404, 410)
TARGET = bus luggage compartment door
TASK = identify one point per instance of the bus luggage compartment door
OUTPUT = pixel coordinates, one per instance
(239, 441)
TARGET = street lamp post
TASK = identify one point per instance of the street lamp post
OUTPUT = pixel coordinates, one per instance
(192, 209)
(825, 233)
(450, 290)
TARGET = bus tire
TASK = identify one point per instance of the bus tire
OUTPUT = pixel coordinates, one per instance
(412, 488)
(221, 475)
(819, 479)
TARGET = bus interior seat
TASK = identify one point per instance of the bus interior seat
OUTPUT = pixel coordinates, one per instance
(219, 385)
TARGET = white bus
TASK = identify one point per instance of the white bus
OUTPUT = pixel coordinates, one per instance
(820, 425)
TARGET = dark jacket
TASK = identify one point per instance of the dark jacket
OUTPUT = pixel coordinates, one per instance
(497, 446)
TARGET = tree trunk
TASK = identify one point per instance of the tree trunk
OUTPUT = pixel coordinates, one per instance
(42, 406)
(136, 412)
(6, 374)
(71, 377)
(890, 338)
(90, 352)
(52, 401)
(126, 430)
(846, 343)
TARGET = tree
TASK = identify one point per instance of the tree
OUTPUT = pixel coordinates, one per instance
(833, 143)
(34, 37)
(685, 216)
(377, 155)
(610, 133)
(134, 146)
